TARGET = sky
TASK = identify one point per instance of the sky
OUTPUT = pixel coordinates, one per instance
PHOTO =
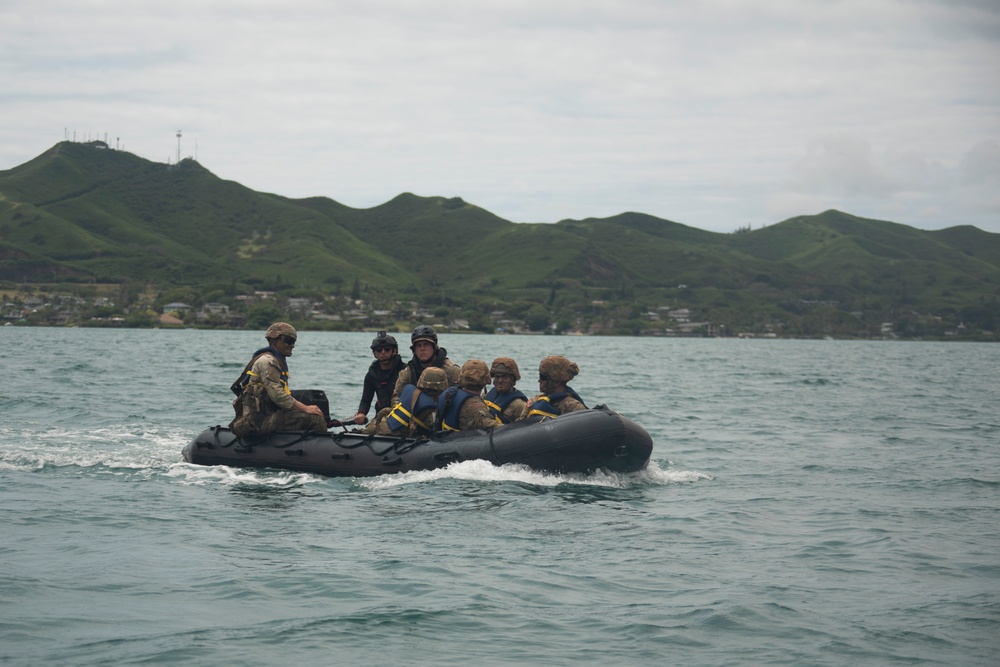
(718, 114)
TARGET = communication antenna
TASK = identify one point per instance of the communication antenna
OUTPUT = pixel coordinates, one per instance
(178, 146)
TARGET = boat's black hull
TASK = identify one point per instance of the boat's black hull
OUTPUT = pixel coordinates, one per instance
(579, 442)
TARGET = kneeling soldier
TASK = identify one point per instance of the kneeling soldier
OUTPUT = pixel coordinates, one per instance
(415, 412)
(462, 408)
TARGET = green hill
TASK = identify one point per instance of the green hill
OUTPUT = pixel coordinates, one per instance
(85, 213)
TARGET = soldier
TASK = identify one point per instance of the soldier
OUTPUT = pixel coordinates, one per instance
(557, 397)
(426, 353)
(381, 377)
(462, 408)
(504, 401)
(264, 402)
(414, 414)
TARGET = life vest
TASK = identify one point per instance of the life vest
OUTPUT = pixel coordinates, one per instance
(544, 405)
(245, 377)
(498, 402)
(253, 404)
(450, 405)
(405, 412)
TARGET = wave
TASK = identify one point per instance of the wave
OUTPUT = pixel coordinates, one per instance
(484, 471)
(476, 471)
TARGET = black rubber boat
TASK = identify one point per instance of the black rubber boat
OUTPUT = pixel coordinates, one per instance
(578, 442)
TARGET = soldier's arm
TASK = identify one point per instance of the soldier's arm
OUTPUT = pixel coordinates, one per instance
(269, 372)
(401, 381)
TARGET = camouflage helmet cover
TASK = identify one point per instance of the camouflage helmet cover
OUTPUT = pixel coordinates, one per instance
(280, 329)
(559, 368)
(474, 374)
(433, 378)
(505, 365)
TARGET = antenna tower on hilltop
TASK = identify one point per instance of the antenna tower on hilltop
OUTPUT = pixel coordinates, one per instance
(178, 146)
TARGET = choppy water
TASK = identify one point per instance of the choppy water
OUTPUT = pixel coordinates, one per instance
(808, 503)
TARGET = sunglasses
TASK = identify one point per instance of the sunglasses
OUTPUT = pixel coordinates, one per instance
(382, 348)
(289, 341)
(542, 377)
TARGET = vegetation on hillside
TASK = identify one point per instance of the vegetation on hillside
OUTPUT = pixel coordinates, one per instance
(82, 215)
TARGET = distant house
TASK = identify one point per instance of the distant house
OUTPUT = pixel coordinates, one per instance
(210, 310)
(297, 303)
(680, 315)
(216, 308)
(176, 306)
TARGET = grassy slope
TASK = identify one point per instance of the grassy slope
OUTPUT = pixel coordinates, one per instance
(112, 215)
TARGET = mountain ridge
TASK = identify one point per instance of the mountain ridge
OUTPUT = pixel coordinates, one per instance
(88, 213)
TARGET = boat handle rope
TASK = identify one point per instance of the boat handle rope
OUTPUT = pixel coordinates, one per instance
(399, 446)
(215, 436)
(247, 447)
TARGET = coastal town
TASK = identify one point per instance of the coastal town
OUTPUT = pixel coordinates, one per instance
(118, 306)
(334, 313)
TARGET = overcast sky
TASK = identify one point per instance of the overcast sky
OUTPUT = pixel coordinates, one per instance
(717, 114)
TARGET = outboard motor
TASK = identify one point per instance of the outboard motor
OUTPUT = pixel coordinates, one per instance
(315, 397)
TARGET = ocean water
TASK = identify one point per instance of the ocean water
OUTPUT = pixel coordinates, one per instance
(807, 503)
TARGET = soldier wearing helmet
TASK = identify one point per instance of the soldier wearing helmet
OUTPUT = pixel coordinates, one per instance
(462, 408)
(504, 401)
(557, 397)
(415, 412)
(264, 402)
(380, 380)
(426, 353)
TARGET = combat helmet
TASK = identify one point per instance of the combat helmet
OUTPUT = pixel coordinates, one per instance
(382, 339)
(505, 365)
(558, 368)
(424, 332)
(280, 329)
(474, 375)
(433, 378)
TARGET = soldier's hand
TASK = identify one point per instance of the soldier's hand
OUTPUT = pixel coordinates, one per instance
(313, 410)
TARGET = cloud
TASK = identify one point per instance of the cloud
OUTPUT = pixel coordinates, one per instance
(843, 171)
(842, 163)
(715, 114)
(981, 165)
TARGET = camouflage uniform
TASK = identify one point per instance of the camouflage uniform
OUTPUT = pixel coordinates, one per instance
(506, 407)
(414, 368)
(432, 382)
(379, 426)
(559, 370)
(474, 413)
(265, 403)
(405, 376)
(563, 405)
(513, 412)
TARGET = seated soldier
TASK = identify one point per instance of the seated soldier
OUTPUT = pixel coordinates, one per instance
(264, 402)
(414, 414)
(380, 380)
(462, 408)
(557, 397)
(503, 400)
(426, 353)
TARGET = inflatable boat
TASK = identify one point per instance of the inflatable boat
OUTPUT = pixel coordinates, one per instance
(578, 442)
